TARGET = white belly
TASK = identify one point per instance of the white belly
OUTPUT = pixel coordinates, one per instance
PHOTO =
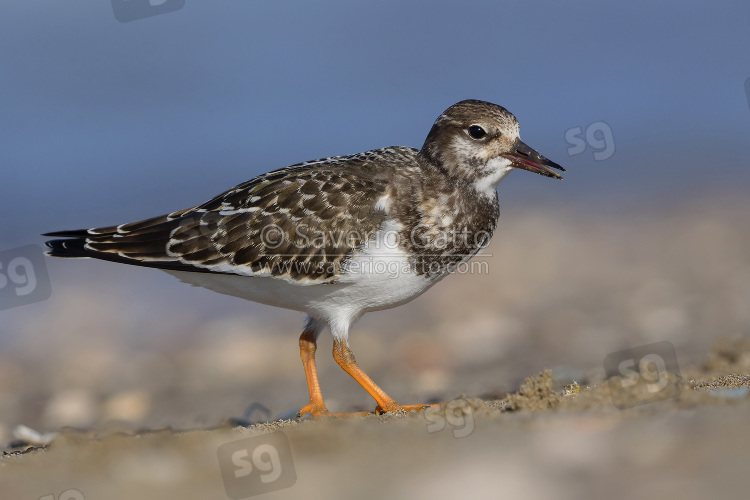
(373, 281)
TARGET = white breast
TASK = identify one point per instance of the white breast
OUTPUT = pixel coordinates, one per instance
(379, 278)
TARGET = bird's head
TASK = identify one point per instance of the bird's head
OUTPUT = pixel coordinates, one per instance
(478, 142)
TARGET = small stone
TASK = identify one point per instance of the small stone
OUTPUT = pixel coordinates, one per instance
(128, 406)
(70, 408)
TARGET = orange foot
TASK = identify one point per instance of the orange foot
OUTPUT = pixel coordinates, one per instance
(345, 358)
(326, 413)
(406, 408)
(318, 412)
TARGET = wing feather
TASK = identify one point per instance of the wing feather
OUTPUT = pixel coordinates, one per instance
(293, 223)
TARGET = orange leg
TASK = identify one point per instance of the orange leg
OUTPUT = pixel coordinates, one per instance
(307, 348)
(316, 408)
(345, 358)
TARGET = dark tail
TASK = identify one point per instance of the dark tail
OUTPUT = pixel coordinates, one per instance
(140, 243)
(73, 247)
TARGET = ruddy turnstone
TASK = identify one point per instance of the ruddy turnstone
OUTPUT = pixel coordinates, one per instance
(340, 236)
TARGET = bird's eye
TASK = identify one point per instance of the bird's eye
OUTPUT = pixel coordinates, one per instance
(476, 132)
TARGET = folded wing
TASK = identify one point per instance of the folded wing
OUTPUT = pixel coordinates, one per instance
(286, 223)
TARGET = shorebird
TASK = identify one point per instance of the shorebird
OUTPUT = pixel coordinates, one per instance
(340, 236)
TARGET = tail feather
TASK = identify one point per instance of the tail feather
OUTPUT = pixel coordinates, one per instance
(76, 248)
(73, 233)
(66, 248)
(141, 243)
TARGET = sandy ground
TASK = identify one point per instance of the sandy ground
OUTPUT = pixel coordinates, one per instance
(537, 443)
(142, 396)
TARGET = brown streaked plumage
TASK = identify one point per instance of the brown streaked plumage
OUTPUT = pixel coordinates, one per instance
(304, 237)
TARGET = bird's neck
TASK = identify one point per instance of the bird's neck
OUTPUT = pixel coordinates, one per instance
(445, 221)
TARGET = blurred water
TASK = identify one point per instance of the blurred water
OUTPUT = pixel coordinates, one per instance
(105, 122)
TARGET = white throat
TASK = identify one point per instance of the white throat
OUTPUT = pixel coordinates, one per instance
(497, 169)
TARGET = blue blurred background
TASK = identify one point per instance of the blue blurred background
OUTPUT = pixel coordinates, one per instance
(105, 122)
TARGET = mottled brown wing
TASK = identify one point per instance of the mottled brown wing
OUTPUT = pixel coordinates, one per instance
(300, 223)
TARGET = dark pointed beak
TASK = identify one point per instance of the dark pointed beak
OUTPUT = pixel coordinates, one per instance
(522, 156)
